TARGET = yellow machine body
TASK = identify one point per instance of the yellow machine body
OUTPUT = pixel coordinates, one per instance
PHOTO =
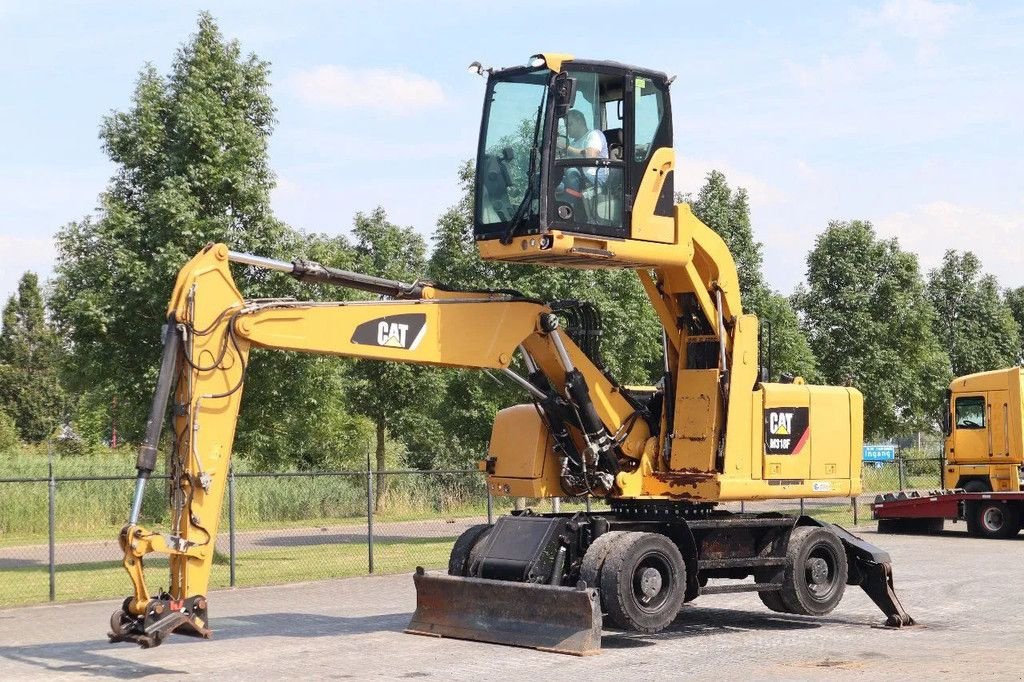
(721, 432)
(984, 444)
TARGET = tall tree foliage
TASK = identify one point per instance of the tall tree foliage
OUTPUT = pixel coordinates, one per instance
(870, 325)
(1015, 300)
(395, 396)
(973, 323)
(30, 355)
(191, 159)
(727, 212)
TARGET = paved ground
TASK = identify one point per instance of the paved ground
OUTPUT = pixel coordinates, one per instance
(965, 592)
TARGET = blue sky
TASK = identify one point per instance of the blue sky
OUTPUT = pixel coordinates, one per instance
(908, 113)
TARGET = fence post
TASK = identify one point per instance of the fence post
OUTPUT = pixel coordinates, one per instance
(801, 506)
(52, 522)
(369, 513)
(900, 471)
(231, 524)
(587, 499)
(490, 507)
(742, 507)
(556, 504)
(853, 500)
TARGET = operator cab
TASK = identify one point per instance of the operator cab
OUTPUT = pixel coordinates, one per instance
(566, 146)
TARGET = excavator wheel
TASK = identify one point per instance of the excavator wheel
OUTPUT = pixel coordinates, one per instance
(643, 582)
(773, 600)
(459, 562)
(593, 560)
(816, 572)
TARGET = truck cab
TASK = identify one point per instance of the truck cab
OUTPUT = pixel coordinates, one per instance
(984, 432)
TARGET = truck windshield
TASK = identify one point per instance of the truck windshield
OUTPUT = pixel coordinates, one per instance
(508, 169)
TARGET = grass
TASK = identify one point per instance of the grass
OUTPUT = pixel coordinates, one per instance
(107, 579)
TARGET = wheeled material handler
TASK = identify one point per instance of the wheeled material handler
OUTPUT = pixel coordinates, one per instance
(574, 169)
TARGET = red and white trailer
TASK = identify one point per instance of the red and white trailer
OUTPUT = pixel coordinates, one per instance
(988, 514)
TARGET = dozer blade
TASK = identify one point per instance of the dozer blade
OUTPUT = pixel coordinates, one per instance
(565, 620)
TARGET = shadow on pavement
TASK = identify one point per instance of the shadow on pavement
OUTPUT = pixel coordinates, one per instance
(305, 625)
(82, 658)
(702, 622)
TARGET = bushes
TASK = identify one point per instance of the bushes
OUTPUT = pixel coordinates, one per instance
(8, 433)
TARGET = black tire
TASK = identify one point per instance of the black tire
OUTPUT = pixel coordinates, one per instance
(643, 582)
(993, 519)
(773, 600)
(977, 486)
(459, 561)
(594, 558)
(911, 526)
(816, 571)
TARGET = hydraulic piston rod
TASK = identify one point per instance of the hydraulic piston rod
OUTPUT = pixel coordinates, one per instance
(311, 271)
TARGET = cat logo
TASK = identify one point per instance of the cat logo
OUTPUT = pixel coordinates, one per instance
(394, 331)
(786, 430)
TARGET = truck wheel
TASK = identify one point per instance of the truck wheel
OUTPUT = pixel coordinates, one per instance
(643, 582)
(977, 486)
(594, 558)
(459, 561)
(816, 571)
(992, 519)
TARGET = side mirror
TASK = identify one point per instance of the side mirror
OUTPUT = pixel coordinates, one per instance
(565, 94)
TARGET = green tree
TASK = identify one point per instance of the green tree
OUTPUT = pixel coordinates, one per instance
(727, 212)
(1015, 300)
(973, 323)
(191, 167)
(870, 325)
(397, 397)
(30, 357)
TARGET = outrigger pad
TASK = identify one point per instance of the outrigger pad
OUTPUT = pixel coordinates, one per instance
(871, 569)
(565, 620)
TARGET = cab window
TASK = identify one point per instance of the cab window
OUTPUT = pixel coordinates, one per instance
(970, 413)
(588, 175)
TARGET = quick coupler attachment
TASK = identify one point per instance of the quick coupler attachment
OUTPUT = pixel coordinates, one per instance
(565, 620)
(162, 616)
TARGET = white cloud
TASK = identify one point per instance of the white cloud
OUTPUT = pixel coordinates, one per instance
(690, 175)
(922, 21)
(844, 70)
(396, 91)
(929, 229)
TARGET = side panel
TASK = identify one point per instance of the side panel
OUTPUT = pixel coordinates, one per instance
(696, 420)
(524, 463)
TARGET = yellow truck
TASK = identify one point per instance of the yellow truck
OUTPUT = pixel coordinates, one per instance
(984, 429)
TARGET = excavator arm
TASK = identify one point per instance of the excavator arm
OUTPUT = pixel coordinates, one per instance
(211, 329)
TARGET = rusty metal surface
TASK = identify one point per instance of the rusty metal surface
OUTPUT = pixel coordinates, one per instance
(560, 619)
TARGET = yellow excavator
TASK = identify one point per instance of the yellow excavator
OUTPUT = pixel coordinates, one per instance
(574, 169)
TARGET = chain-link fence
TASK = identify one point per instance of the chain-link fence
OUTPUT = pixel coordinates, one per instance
(58, 530)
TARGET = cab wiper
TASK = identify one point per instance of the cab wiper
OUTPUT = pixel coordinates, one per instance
(528, 195)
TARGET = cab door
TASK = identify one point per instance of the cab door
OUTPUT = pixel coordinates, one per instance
(999, 424)
(970, 429)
